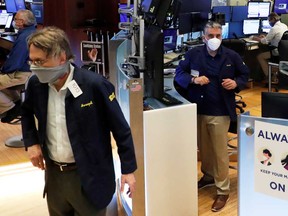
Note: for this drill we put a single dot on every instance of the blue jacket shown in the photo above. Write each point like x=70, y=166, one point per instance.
x=232, y=66
x=19, y=54
x=89, y=130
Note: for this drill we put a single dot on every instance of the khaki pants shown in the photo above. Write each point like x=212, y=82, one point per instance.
x=212, y=143
x=7, y=96
x=263, y=61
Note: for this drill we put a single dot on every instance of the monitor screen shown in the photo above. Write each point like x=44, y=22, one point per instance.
x=185, y=23
x=153, y=74
x=9, y=21
x=274, y=105
x=3, y=19
x=258, y=9
x=20, y=4
x=170, y=39
x=37, y=10
x=12, y=6
x=157, y=10
x=281, y=6
x=265, y=27
x=251, y=26
x=225, y=31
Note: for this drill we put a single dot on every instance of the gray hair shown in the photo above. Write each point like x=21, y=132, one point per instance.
x=27, y=16
x=51, y=40
x=212, y=24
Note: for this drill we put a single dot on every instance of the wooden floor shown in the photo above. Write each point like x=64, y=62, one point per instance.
x=12, y=156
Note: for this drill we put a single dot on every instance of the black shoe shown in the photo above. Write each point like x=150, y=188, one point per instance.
x=12, y=113
x=203, y=183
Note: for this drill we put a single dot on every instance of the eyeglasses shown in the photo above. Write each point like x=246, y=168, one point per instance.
x=16, y=19
x=37, y=62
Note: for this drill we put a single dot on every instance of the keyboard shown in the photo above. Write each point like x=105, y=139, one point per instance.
x=172, y=56
x=8, y=33
x=169, y=100
x=248, y=40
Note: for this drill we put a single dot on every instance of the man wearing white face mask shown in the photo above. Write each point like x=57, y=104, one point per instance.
x=211, y=74
x=15, y=70
x=76, y=111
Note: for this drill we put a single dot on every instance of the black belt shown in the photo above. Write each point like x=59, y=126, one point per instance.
x=64, y=166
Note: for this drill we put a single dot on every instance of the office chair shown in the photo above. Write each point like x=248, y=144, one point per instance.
x=274, y=62
x=238, y=46
x=283, y=58
x=16, y=141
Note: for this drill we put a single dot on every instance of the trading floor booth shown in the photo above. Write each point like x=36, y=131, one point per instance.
x=165, y=144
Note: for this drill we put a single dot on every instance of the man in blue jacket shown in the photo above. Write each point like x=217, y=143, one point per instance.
x=75, y=110
x=15, y=70
x=210, y=75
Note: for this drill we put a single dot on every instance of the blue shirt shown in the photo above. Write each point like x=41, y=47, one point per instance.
x=19, y=54
x=213, y=97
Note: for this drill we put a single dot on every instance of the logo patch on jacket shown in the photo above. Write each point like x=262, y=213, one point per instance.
x=87, y=104
x=112, y=96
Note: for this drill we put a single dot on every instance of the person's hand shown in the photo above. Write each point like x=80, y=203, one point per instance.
x=229, y=84
x=92, y=54
x=262, y=36
x=202, y=80
x=131, y=181
x=36, y=157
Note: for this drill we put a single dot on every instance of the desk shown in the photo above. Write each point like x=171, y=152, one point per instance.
x=7, y=42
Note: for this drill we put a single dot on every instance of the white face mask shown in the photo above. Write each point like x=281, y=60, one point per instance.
x=14, y=25
x=214, y=43
x=49, y=74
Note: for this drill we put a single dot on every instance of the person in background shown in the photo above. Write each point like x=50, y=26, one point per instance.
x=272, y=39
x=15, y=70
x=211, y=74
x=76, y=110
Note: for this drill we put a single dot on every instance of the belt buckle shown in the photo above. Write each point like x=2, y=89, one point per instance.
x=61, y=167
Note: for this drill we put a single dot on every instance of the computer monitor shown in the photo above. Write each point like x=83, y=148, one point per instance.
x=170, y=39
x=265, y=26
x=12, y=6
x=251, y=26
x=281, y=6
x=8, y=26
x=192, y=22
x=274, y=105
x=37, y=10
x=225, y=31
x=258, y=9
x=3, y=20
x=153, y=74
x=156, y=10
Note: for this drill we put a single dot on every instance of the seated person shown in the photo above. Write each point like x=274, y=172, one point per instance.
x=16, y=70
x=272, y=38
